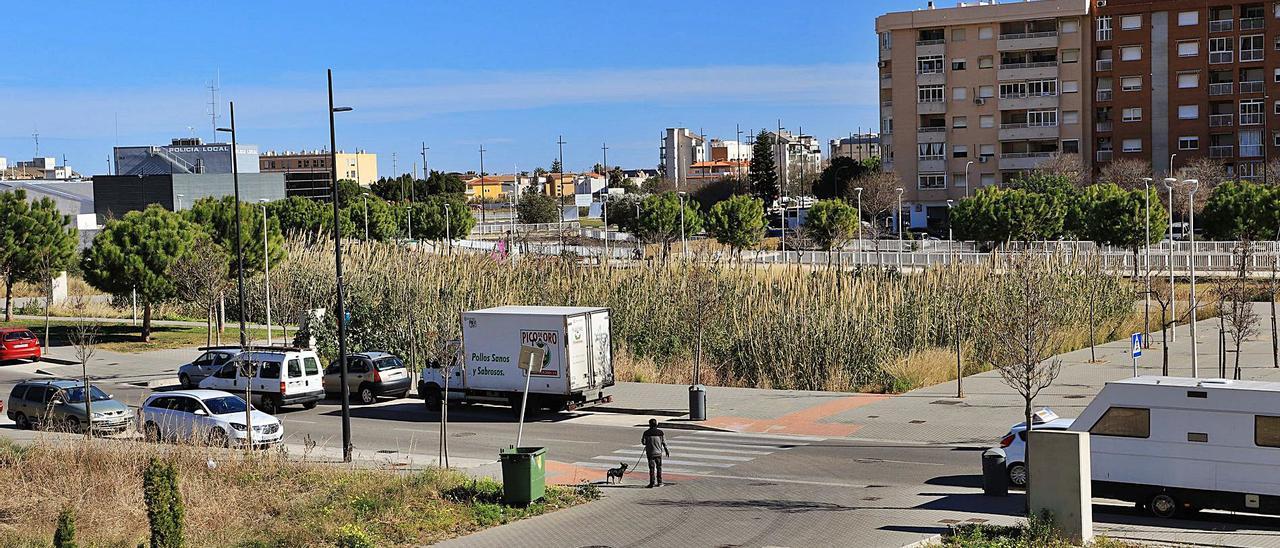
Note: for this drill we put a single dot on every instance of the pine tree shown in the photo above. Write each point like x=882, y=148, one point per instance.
x=556, y=167
x=764, y=171
x=164, y=504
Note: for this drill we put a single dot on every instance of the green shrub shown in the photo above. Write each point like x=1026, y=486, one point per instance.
x=164, y=503
x=487, y=513
x=65, y=535
x=352, y=536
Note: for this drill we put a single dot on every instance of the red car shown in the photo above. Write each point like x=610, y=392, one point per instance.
x=17, y=343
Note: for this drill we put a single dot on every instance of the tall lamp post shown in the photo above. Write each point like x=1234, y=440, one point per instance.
x=967, y=182
x=1146, y=264
x=897, y=219
x=266, y=265
x=604, y=207
x=448, y=237
x=337, y=261
x=1191, y=234
x=860, y=242
x=684, y=243
x=1169, y=183
x=950, y=234
x=365, y=197
x=244, y=343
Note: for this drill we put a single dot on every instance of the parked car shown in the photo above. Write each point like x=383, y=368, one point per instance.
x=369, y=375
x=278, y=376
x=190, y=375
x=61, y=404
x=1015, y=443
x=18, y=343
x=205, y=416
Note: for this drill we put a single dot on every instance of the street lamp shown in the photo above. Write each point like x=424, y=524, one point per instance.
x=967, y=182
x=636, y=233
x=1146, y=264
x=365, y=198
x=897, y=219
x=950, y=238
x=684, y=243
x=179, y=196
x=604, y=208
x=1169, y=182
x=266, y=264
x=861, y=244
x=337, y=261
x=447, y=236
x=235, y=182
x=1191, y=234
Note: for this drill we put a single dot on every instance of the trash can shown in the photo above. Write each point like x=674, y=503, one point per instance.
x=697, y=403
x=995, y=477
x=524, y=474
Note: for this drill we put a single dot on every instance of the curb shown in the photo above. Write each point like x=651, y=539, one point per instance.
x=58, y=361
x=690, y=426
x=930, y=541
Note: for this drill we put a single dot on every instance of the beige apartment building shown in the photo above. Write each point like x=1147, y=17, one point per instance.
x=307, y=172
x=974, y=94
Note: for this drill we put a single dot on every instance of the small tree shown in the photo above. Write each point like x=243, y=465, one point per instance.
x=661, y=220
x=65, y=535
x=556, y=167
x=737, y=222
x=1237, y=304
x=879, y=198
x=1126, y=173
x=201, y=276
x=837, y=178
x=537, y=208
x=164, y=503
x=1160, y=293
x=831, y=224
x=84, y=339
x=1069, y=167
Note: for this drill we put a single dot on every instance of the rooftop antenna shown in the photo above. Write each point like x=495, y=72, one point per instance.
x=213, y=103
x=36, y=135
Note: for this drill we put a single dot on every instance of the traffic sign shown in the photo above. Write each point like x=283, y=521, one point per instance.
x=531, y=358
x=1136, y=341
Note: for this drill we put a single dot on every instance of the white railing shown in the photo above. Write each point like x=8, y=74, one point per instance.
x=1020, y=36
x=931, y=130
x=502, y=228
x=1220, y=57
x=1255, y=86
x=1104, y=95
x=1221, y=88
x=1220, y=120
x=1102, y=64
x=1029, y=124
x=1102, y=126
x=1014, y=155
x=1221, y=25
x=1104, y=155
x=1247, y=55
x=930, y=42
x=1251, y=119
x=1042, y=64
x=1251, y=23
x=1221, y=151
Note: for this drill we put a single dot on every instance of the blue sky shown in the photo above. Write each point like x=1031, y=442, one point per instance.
x=510, y=74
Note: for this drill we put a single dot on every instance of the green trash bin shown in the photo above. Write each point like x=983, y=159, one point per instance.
x=524, y=474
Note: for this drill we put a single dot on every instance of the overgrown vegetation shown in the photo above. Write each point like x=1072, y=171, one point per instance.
x=256, y=500
x=1036, y=532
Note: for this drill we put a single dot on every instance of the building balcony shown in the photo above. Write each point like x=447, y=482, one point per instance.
x=925, y=48
x=886, y=83
x=1252, y=87
x=1251, y=119
x=935, y=107
x=1029, y=40
x=1027, y=71
x=1250, y=55
x=1223, y=25
x=931, y=165
x=931, y=135
x=1103, y=35
x=1103, y=95
x=1220, y=57
x=1026, y=132
x=1102, y=127
x=931, y=79
x=1029, y=102
x=1252, y=23
x=1103, y=156
x=1222, y=88
x=1024, y=160
x=1221, y=151
x=1102, y=65
x=1221, y=120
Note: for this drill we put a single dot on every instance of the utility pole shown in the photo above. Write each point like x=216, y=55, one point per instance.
x=341, y=315
x=556, y=190
x=482, y=213
x=604, y=207
x=425, y=172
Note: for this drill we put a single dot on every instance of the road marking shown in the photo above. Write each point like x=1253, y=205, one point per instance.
x=675, y=461
x=299, y=421
x=872, y=460
x=684, y=446
x=759, y=436
x=640, y=469
x=567, y=441
x=729, y=443
x=715, y=457
x=703, y=474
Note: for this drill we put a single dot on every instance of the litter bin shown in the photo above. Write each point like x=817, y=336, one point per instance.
x=524, y=474
x=697, y=403
x=995, y=477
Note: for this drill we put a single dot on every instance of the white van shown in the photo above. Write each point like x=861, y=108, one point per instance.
x=279, y=376
x=1175, y=445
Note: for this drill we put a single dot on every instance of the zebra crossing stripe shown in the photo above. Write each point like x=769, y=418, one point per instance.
x=731, y=443
x=713, y=457
x=666, y=461
x=641, y=469
x=761, y=437
x=686, y=446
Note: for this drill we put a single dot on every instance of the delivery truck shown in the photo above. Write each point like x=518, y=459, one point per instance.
x=572, y=346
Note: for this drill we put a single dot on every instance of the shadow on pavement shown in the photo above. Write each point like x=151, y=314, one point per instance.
x=976, y=502
x=773, y=505
x=911, y=529
x=412, y=410
x=967, y=480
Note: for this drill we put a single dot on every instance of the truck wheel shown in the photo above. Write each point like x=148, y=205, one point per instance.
x=431, y=397
x=1163, y=505
x=269, y=405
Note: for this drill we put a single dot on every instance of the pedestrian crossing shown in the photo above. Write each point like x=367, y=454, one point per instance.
x=699, y=452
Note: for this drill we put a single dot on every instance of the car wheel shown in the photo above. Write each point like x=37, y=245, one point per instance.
x=218, y=438
x=1163, y=505
x=72, y=425
x=310, y=405
x=366, y=395
x=269, y=405
x=1018, y=474
x=22, y=422
x=151, y=432
x=185, y=381
x=431, y=397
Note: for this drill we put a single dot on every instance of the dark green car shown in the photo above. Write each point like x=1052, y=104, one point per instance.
x=60, y=405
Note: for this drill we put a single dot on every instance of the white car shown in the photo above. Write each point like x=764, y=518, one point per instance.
x=205, y=416
x=1014, y=443
x=278, y=376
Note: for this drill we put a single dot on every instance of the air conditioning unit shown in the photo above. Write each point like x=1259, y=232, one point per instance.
x=882, y=64
x=979, y=101
x=1101, y=3
x=984, y=159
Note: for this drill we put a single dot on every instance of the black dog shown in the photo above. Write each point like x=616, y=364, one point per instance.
x=616, y=473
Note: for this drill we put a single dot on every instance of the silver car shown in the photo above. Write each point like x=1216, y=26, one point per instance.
x=190, y=375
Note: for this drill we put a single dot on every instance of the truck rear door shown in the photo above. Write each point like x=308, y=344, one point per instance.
x=578, y=353
x=601, y=353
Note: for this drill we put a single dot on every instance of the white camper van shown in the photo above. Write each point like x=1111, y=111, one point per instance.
x=1175, y=445
x=577, y=360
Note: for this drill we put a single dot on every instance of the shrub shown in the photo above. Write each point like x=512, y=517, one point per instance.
x=65, y=535
x=164, y=503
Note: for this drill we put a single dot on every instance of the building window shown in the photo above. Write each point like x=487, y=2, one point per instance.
x=1132, y=145
x=1125, y=422
x=1070, y=86
x=1071, y=117
x=1188, y=48
x=1071, y=146
x=1188, y=80
x=1131, y=83
x=1130, y=22
x=986, y=121
x=986, y=62
x=1251, y=144
x=929, y=64
x=1131, y=53
x=987, y=150
x=985, y=33
x=1188, y=18
x=1275, y=138
x=987, y=179
x=1042, y=118
x=931, y=151
x=959, y=94
x=957, y=64
x=1188, y=112
x=957, y=35
x=1070, y=56
x=1220, y=50
x=1070, y=25
x=1189, y=143
x=886, y=40
x=960, y=122
x=1277, y=76
x=960, y=151
x=1277, y=108
x=1104, y=28
x=931, y=181
x=1251, y=112
x=1132, y=114
x=930, y=94
x=959, y=179
x=1251, y=48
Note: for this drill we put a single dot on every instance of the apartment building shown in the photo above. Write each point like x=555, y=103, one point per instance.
x=861, y=146
x=1180, y=79
x=681, y=148
x=975, y=94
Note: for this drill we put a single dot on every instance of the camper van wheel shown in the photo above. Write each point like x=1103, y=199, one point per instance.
x=1163, y=505
x=269, y=405
x=432, y=398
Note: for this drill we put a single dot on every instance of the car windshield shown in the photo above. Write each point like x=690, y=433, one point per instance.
x=76, y=395
x=388, y=363
x=18, y=336
x=224, y=405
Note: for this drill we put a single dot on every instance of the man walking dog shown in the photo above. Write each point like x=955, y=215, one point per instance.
x=654, y=447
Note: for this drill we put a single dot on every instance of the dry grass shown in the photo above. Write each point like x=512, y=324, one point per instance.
x=75, y=286
x=258, y=500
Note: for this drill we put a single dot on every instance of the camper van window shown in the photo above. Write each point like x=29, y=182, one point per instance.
x=1125, y=422
x=313, y=367
x=295, y=369
x=268, y=370
x=1266, y=431
x=1198, y=437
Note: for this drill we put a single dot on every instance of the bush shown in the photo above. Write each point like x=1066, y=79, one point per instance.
x=65, y=535
x=164, y=503
x=352, y=536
